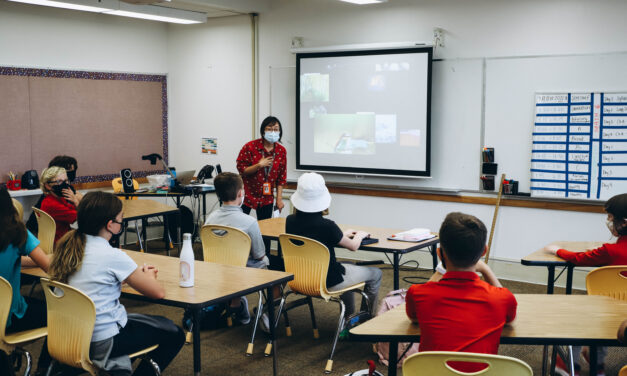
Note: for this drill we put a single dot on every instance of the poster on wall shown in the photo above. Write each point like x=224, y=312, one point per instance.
x=579, y=147
x=210, y=146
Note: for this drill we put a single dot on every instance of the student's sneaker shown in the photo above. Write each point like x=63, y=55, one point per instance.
x=243, y=315
x=562, y=369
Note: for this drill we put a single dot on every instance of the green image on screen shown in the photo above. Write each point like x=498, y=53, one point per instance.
x=314, y=87
x=344, y=134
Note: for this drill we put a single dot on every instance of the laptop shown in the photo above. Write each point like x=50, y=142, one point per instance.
x=184, y=177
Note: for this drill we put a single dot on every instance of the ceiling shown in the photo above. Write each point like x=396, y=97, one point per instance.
x=219, y=8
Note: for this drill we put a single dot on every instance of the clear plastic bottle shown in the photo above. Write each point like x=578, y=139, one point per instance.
x=187, y=262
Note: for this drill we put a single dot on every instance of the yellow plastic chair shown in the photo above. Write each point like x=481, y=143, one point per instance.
x=308, y=260
x=11, y=343
x=19, y=208
x=435, y=363
x=71, y=318
x=608, y=281
x=47, y=230
x=623, y=371
x=228, y=246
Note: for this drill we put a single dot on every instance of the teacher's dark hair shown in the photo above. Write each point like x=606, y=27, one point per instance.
x=64, y=161
x=617, y=207
x=271, y=120
x=13, y=230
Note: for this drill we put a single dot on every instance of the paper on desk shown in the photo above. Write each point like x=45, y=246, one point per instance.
x=413, y=235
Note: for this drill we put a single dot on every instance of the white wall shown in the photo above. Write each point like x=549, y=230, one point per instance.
x=43, y=37
x=473, y=29
x=210, y=91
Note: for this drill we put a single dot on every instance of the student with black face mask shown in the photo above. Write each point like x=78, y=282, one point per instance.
x=70, y=165
x=60, y=200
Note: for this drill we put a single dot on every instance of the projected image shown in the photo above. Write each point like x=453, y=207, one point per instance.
x=410, y=137
x=314, y=87
x=385, y=129
x=376, y=83
x=317, y=110
x=344, y=134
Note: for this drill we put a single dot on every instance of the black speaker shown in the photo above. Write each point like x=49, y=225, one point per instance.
x=30, y=180
x=218, y=169
x=127, y=180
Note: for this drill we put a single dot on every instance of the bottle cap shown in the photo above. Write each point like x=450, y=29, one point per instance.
x=187, y=236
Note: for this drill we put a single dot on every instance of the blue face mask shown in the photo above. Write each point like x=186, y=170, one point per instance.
x=272, y=136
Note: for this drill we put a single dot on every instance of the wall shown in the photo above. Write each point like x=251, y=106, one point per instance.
x=43, y=37
x=473, y=30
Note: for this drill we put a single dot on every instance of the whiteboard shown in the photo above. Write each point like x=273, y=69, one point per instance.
x=511, y=87
x=456, y=134
x=473, y=107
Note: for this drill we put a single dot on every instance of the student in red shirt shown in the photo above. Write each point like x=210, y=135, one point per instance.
x=607, y=254
x=60, y=199
x=460, y=312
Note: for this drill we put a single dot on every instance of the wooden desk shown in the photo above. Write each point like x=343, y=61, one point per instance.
x=144, y=209
x=541, y=319
x=215, y=283
x=194, y=191
x=544, y=258
x=273, y=227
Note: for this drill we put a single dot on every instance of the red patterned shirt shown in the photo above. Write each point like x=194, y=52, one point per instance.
x=252, y=153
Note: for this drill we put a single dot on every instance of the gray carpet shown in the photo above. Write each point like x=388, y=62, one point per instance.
x=223, y=350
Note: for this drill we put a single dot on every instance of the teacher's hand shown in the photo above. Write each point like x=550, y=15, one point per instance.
x=279, y=203
x=265, y=162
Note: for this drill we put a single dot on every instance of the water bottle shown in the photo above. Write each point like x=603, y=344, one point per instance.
x=187, y=262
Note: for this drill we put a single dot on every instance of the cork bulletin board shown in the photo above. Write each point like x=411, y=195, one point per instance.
x=107, y=121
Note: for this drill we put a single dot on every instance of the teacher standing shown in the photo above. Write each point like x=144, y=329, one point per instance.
x=263, y=164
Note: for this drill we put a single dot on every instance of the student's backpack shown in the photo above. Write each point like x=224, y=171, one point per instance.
x=405, y=349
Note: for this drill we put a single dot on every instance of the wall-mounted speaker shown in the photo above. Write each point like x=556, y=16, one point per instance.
x=127, y=180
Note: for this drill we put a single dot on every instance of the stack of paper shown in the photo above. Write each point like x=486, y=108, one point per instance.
x=413, y=235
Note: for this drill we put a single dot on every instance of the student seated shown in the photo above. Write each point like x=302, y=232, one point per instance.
x=18, y=247
x=60, y=201
x=310, y=200
x=70, y=165
x=460, y=312
x=230, y=190
x=607, y=254
x=84, y=259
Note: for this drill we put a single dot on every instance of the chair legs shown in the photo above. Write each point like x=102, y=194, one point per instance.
x=316, y=335
x=14, y=361
x=249, y=349
x=153, y=364
x=340, y=327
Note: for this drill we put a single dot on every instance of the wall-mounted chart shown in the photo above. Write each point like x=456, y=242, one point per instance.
x=579, y=147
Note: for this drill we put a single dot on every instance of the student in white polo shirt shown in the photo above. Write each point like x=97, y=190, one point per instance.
x=84, y=259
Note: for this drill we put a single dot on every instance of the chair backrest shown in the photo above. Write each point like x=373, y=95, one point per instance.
x=19, y=208
x=225, y=245
x=71, y=318
x=117, y=186
x=436, y=363
x=6, y=296
x=308, y=260
x=608, y=281
x=47, y=229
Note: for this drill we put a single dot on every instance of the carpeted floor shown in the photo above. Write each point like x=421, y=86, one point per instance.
x=223, y=350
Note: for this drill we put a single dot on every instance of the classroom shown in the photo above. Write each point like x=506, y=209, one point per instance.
x=225, y=75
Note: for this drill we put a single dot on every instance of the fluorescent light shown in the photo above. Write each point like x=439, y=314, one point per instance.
x=364, y=2
x=86, y=6
x=157, y=13
x=115, y=7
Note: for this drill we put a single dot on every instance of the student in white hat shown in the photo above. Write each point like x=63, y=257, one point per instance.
x=311, y=199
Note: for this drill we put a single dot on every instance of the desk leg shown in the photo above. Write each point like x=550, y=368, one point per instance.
x=392, y=358
x=178, y=201
x=270, y=303
x=569, y=279
x=545, y=357
x=204, y=207
x=551, y=281
x=593, y=361
x=196, y=344
x=434, y=255
x=396, y=267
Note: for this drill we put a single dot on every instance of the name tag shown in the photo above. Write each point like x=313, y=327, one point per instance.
x=267, y=189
